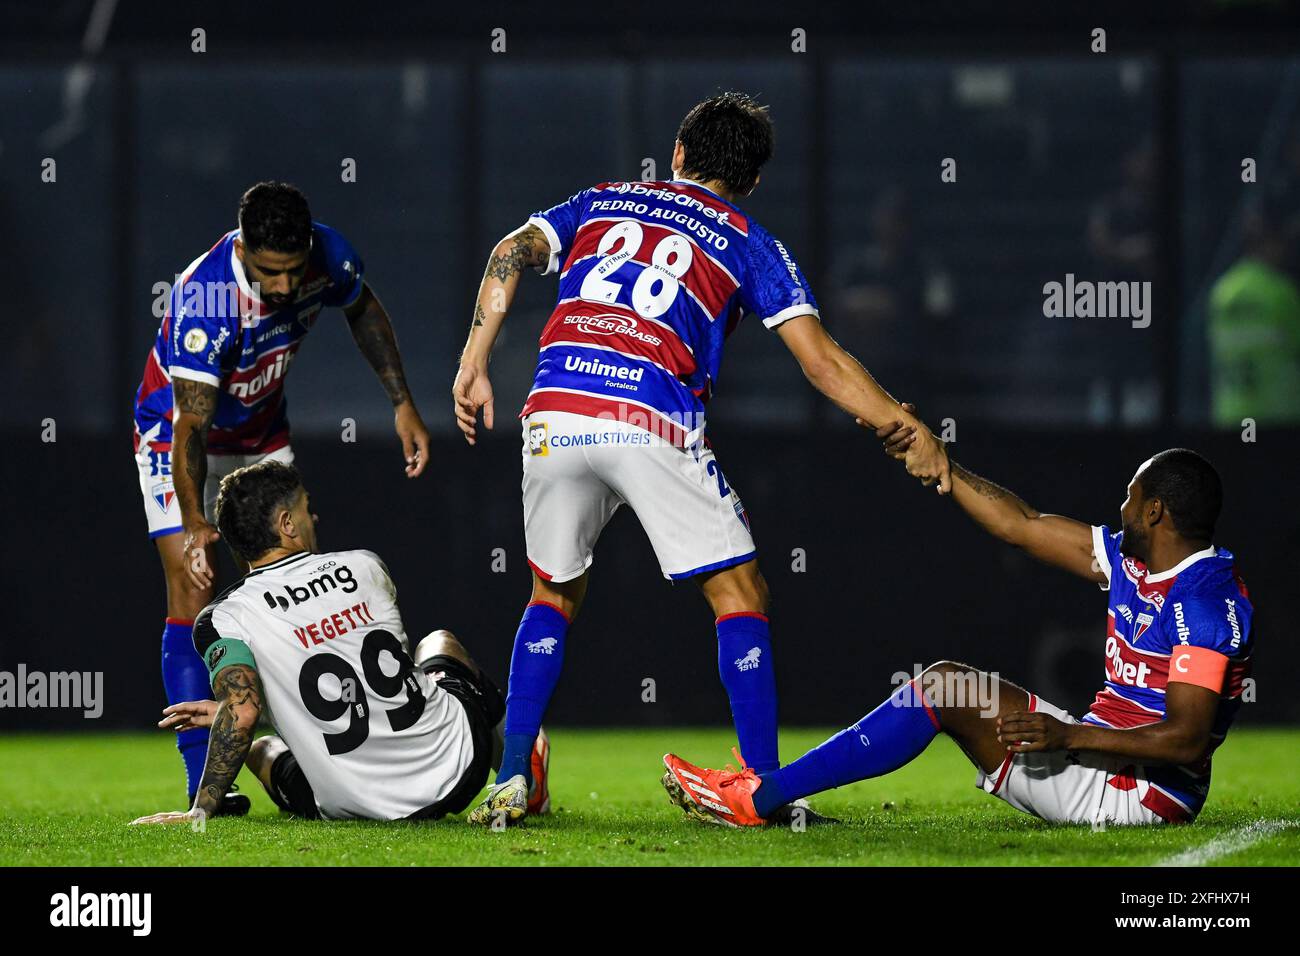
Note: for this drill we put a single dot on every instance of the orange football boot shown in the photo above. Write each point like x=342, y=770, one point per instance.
x=724, y=797
x=539, y=794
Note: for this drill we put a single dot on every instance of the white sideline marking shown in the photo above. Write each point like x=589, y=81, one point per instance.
x=1233, y=842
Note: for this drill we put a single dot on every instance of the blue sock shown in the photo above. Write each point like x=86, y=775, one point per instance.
x=893, y=734
x=745, y=665
x=185, y=677
x=534, y=672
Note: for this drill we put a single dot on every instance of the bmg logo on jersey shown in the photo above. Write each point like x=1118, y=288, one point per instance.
x=341, y=579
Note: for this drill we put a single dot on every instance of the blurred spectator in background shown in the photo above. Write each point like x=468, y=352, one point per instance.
x=1122, y=240
x=892, y=301
x=1254, y=326
x=1121, y=225
x=1065, y=368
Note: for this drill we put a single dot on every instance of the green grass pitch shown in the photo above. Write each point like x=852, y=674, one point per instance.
x=66, y=800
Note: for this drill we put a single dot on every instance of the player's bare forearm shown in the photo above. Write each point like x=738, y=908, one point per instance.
x=372, y=330
x=1182, y=737
x=195, y=406
x=1161, y=742
x=231, y=734
x=841, y=378
x=526, y=247
x=850, y=386
x=838, y=375
x=994, y=508
x=1053, y=539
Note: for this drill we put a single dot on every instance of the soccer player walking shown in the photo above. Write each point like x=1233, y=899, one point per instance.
x=212, y=398
x=653, y=278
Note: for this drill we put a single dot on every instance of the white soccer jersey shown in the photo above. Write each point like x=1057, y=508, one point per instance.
x=374, y=735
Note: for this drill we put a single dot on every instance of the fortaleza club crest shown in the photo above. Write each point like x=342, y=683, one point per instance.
x=163, y=492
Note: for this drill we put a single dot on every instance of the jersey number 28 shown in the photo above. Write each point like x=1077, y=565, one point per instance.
x=656, y=287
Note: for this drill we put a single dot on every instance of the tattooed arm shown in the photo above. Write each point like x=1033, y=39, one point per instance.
x=373, y=332
x=1052, y=539
x=526, y=247
x=239, y=705
x=195, y=405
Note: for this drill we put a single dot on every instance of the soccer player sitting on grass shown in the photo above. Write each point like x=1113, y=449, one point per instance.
x=1178, y=647
x=317, y=639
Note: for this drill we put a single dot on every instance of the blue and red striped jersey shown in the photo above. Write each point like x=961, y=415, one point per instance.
x=653, y=278
x=1151, y=620
x=216, y=330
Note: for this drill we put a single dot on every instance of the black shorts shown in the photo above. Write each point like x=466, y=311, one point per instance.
x=484, y=706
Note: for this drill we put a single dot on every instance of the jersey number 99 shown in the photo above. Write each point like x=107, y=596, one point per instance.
x=381, y=684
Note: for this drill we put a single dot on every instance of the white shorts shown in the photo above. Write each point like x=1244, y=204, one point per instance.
x=162, y=510
x=578, y=470
x=1076, y=787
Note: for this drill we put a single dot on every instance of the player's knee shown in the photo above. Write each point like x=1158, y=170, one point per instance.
x=760, y=592
x=436, y=643
x=951, y=687
x=565, y=595
x=263, y=753
x=945, y=668
x=738, y=589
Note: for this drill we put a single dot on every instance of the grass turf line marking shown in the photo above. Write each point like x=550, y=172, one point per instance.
x=1233, y=842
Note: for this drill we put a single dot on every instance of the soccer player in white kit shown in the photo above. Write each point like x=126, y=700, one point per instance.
x=316, y=641
x=212, y=398
x=653, y=278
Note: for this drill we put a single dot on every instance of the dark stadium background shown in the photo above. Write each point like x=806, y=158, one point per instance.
x=455, y=146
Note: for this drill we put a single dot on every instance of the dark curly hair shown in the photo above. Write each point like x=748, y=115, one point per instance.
x=275, y=217
x=1190, y=489
x=248, y=502
x=728, y=138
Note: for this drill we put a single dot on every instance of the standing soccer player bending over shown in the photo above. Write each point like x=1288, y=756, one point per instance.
x=653, y=278
x=1178, y=648
x=212, y=398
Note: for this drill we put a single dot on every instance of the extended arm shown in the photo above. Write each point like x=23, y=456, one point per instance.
x=238, y=706
x=526, y=247
x=1052, y=539
x=841, y=378
x=372, y=330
